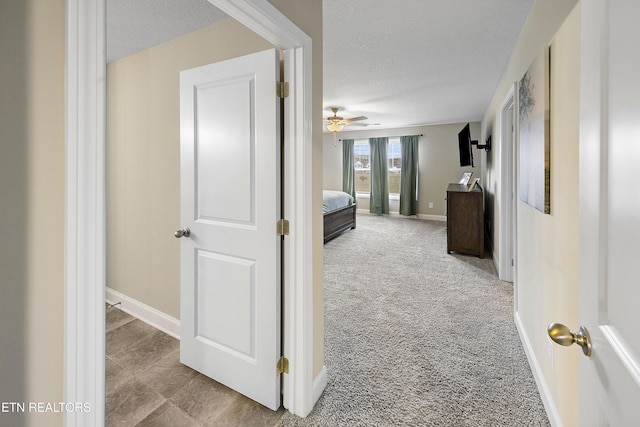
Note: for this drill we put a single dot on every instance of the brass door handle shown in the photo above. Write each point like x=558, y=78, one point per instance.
x=184, y=232
x=561, y=334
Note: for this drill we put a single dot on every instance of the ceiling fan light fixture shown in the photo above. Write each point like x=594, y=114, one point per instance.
x=335, y=127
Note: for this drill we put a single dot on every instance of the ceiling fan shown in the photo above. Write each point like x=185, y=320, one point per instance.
x=336, y=123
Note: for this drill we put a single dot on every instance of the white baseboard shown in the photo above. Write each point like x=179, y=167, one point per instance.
x=159, y=320
x=419, y=216
x=493, y=253
x=433, y=217
x=319, y=384
x=543, y=389
x=171, y=326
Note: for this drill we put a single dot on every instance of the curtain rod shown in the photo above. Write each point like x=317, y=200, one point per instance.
x=384, y=137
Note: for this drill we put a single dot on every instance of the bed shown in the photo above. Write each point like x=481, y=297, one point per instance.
x=339, y=211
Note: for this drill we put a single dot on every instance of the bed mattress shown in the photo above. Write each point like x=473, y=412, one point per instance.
x=333, y=200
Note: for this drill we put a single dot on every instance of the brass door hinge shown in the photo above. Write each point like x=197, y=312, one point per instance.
x=282, y=227
x=282, y=367
x=282, y=89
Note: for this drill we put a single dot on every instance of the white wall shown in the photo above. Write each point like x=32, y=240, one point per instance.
x=547, y=245
x=438, y=163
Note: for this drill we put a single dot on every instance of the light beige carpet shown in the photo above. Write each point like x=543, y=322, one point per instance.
x=416, y=337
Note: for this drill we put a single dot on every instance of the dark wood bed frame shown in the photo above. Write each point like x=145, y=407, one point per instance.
x=338, y=221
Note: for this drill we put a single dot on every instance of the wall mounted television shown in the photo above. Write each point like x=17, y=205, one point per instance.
x=464, y=147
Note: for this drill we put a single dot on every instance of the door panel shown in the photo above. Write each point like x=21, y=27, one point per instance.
x=224, y=113
x=226, y=290
x=230, y=201
x=610, y=211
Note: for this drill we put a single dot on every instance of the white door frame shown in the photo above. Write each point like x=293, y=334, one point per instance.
x=506, y=267
x=84, y=362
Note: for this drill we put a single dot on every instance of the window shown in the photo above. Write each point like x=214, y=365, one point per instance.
x=362, y=163
x=395, y=163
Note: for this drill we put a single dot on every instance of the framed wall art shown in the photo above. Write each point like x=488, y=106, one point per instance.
x=535, y=166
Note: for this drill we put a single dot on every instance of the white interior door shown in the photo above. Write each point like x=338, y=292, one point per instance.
x=610, y=211
x=230, y=202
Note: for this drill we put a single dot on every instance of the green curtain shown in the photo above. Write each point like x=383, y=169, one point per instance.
x=409, y=175
x=348, y=168
x=379, y=201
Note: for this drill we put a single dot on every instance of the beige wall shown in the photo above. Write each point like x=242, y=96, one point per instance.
x=143, y=151
x=547, y=246
x=545, y=18
x=32, y=168
x=143, y=159
x=438, y=164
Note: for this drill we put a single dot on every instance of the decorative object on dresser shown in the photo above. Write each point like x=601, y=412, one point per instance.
x=466, y=176
x=465, y=219
x=339, y=210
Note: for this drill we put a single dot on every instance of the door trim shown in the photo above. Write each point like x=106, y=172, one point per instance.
x=85, y=246
x=507, y=186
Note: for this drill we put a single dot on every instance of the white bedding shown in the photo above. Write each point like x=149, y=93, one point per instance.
x=333, y=200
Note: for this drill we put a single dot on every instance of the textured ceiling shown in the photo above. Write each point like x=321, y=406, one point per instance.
x=414, y=62
x=398, y=62
x=135, y=25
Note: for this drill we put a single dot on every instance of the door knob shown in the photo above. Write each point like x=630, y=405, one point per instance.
x=561, y=334
x=185, y=232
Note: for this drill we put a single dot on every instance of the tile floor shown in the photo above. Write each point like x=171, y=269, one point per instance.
x=147, y=385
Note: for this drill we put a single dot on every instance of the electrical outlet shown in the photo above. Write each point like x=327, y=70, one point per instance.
x=430, y=205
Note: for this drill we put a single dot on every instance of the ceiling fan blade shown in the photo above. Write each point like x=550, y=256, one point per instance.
x=358, y=124
x=355, y=119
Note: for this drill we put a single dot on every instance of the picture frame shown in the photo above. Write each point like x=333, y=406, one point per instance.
x=534, y=113
x=466, y=176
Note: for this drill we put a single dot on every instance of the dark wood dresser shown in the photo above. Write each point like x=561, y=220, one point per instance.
x=465, y=220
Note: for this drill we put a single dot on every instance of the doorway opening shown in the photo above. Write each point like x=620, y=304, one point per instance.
x=508, y=127
x=85, y=231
